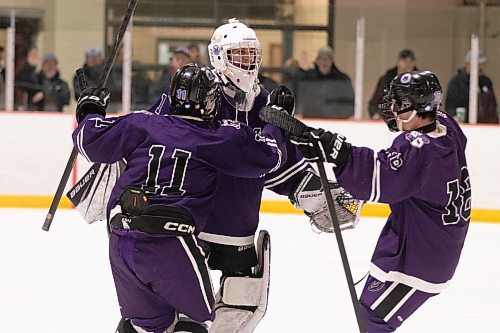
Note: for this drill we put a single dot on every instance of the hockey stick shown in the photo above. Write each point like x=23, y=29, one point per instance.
x=295, y=127
x=102, y=81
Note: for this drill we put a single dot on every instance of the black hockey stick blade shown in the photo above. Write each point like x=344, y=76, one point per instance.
x=283, y=120
x=110, y=58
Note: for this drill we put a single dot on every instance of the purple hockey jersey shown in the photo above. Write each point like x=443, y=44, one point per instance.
x=178, y=161
x=425, y=181
x=234, y=216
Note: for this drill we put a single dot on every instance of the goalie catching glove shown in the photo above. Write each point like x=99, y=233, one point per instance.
x=310, y=197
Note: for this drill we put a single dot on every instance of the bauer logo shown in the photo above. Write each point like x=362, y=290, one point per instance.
x=376, y=285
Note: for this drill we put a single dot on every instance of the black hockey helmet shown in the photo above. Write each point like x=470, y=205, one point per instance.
x=412, y=91
x=194, y=91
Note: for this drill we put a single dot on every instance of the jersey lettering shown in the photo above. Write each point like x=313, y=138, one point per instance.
x=459, y=199
x=178, y=174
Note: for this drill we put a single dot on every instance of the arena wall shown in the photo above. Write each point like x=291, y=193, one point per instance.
x=35, y=148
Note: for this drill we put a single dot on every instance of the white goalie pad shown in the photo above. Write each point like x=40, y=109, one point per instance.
x=242, y=301
x=310, y=197
x=91, y=193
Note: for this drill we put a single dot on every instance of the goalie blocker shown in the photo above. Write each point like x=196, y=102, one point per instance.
x=310, y=197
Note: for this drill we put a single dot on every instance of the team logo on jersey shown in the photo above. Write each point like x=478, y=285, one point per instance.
x=376, y=285
x=230, y=123
x=395, y=160
x=417, y=139
x=405, y=78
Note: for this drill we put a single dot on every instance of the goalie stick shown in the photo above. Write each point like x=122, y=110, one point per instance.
x=292, y=125
x=102, y=81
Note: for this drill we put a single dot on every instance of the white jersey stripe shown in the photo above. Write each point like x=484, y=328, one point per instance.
x=287, y=175
x=226, y=240
x=374, y=177
x=400, y=304
x=383, y=296
x=79, y=143
x=197, y=271
x=287, y=171
x=377, y=182
x=412, y=281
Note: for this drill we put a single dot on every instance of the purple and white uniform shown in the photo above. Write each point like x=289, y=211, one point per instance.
x=178, y=162
x=424, y=179
x=234, y=217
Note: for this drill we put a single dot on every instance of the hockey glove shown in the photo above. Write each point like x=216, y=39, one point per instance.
x=92, y=101
x=282, y=97
x=319, y=145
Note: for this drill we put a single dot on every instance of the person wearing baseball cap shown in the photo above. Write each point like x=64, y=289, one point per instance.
x=406, y=62
x=457, y=96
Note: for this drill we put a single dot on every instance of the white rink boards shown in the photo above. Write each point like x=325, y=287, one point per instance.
x=60, y=281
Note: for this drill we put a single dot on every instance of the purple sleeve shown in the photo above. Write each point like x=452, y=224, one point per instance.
x=108, y=140
x=284, y=180
x=240, y=152
x=387, y=176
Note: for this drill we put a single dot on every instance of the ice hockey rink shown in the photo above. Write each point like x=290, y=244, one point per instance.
x=60, y=281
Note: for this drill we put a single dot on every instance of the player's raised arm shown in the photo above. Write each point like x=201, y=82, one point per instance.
x=95, y=131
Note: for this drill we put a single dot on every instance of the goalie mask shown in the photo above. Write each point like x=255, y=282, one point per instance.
x=416, y=92
x=235, y=53
x=194, y=91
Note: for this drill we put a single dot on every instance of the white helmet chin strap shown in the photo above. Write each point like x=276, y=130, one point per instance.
x=401, y=122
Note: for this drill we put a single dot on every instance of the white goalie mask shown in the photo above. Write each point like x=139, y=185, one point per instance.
x=235, y=53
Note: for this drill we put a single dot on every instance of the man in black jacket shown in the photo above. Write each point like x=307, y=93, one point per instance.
x=457, y=98
x=54, y=91
x=322, y=90
x=405, y=63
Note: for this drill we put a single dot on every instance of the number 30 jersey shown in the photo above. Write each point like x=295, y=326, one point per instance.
x=178, y=161
x=424, y=179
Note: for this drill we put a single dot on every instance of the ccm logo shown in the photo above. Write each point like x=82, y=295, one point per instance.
x=337, y=145
x=174, y=226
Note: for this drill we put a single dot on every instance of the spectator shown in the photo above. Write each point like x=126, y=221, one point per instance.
x=180, y=58
x=194, y=54
x=405, y=63
x=141, y=85
x=457, y=97
x=55, y=91
x=28, y=91
x=323, y=91
x=92, y=68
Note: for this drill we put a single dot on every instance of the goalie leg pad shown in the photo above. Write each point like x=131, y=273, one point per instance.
x=242, y=300
x=310, y=197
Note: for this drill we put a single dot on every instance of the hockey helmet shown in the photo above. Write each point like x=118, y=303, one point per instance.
x=235, y=52
x=419, y=92
x=194, y=91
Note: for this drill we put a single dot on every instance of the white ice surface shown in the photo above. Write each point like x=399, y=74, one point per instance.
x=60, y=281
